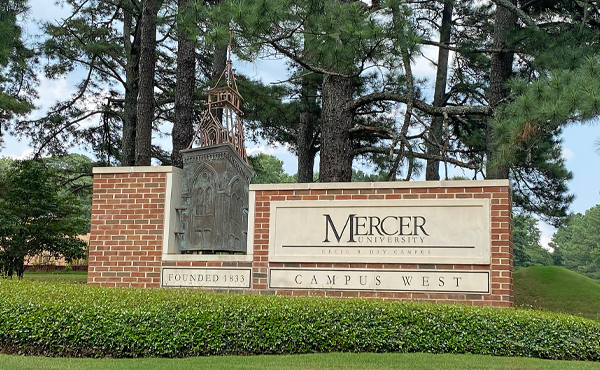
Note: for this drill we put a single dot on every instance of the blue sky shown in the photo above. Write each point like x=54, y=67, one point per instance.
x=579, y=148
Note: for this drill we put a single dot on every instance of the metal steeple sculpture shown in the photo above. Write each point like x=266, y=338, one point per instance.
x=213, y=214
x=222, y=121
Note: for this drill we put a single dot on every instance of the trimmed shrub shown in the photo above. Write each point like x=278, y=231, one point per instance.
x=77, y=320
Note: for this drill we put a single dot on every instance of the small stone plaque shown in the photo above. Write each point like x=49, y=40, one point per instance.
x=206, y=277
x=384, y=280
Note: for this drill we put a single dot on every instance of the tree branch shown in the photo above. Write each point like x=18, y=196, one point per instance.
x=381, y=150
x=520, y=13
x=457, y=49
x=421, y=105
x=303, y=63
x=61, y=129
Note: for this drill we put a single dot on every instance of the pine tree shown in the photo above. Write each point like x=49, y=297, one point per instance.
x=17, y=79
x=578, y=243
x=528, y=152
x=145, y=106
x=339, y=40
x=183, y=132
x=526, y=243
x=103, y=39
x=435, y=137
x=131, y=85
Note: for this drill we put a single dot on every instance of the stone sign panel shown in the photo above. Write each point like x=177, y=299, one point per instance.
x=206, y=277
x=381, y=280
x=391, y=231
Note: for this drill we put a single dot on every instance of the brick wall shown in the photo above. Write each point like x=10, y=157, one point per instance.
x=134, y=223
x=126, y=240
x=500, y=268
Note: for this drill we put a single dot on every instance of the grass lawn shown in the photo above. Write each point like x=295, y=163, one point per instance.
x=332, y=361
x=75, y=277
x=557, y=289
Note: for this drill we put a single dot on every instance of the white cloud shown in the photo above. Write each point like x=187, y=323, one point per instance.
x=266, y=70
x=267, y=149
x=25, y=154
x=422, y=67
x=50, y=91
x=567, y=154
x=547, y=232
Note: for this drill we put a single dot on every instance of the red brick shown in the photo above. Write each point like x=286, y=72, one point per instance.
x=436, y=190
x=492, y=190
x=326, y=197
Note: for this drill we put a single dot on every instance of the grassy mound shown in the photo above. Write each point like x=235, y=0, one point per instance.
x=79, y=320
x=557, y=289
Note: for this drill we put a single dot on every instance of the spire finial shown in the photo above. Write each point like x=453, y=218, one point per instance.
x=222, y=119
x=229, y=64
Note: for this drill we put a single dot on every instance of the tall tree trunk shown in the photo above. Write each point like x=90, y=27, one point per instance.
x=435, y=135
x=20, y=268
x=500, y=71
x=219, y=62
x=336, y=120
x=145, y=106
x=309, y=112
x=306, y=131
x=132, y=55
x=184, y=93
x=218, y=66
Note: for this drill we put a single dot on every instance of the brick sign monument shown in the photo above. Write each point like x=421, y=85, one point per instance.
x=445, y=241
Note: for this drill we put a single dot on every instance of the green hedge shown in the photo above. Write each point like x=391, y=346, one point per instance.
x=77, y=320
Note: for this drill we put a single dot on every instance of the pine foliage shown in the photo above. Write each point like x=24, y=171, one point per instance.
x=17, y=79
x=526, y=243
x=577, y=244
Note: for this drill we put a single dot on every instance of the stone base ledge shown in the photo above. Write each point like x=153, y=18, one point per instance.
x=208, y=257
x=382, y=185
x=137, y=169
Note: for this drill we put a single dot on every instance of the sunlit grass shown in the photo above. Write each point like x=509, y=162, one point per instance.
x=77, y=277
x=557, y=289
x=331, y=361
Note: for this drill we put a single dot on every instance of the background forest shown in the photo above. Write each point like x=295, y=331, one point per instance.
x=508, y=77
